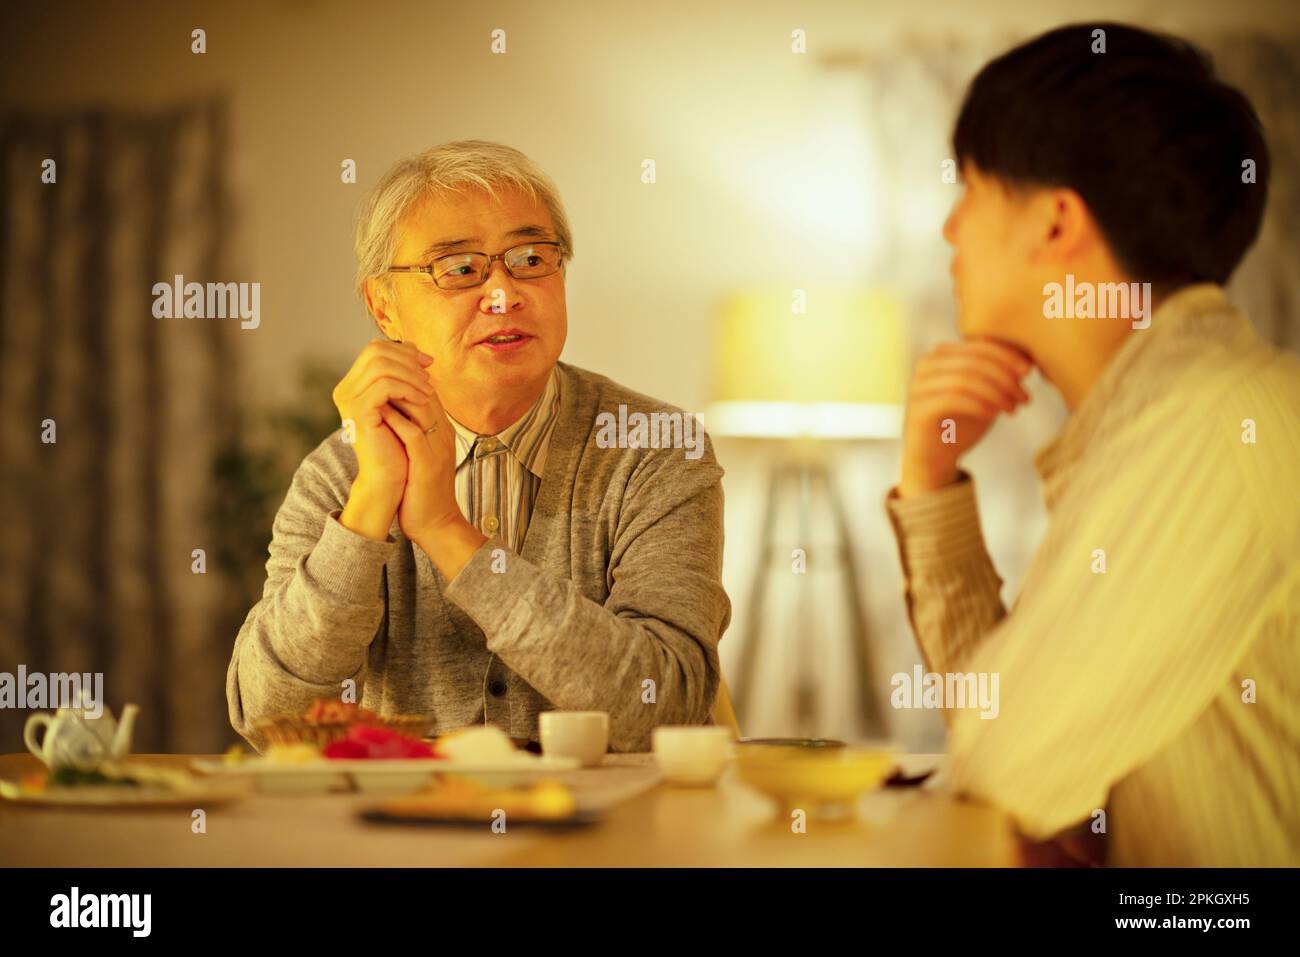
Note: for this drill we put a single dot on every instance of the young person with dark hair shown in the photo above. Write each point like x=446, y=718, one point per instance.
x=1149, y=671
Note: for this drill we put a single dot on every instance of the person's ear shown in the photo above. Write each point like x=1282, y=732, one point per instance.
x=383, y=306
x=1063, y=225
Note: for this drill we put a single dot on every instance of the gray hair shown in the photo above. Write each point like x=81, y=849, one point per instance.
x=447, y=168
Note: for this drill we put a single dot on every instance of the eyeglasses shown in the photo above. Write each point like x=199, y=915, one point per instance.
x=467, y=270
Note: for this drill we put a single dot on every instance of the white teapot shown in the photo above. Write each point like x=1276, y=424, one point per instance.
x=74, y=740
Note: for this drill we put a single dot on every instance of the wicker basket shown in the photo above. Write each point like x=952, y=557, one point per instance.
x=291, y=729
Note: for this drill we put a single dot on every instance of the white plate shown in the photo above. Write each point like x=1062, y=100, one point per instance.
x=392, y=776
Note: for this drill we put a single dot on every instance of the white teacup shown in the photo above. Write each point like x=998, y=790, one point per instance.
x=575, y=734
x=692, y=755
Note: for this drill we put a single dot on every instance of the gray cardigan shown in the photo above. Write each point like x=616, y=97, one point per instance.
x=616, y=603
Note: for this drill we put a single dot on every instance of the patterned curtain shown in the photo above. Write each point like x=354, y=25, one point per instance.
x=98, y=571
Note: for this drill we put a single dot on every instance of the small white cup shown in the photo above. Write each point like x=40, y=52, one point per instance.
x=575, y=734
x=692, y=755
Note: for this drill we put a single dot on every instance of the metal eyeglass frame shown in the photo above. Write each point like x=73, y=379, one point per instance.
x=487, y=271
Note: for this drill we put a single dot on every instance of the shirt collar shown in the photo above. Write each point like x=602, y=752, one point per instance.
x=528, y=438
x=1112, y=393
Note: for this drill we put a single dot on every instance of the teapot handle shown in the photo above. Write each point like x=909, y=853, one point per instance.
x=29, y=732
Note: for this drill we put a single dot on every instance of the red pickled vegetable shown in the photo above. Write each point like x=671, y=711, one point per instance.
x=366, y=742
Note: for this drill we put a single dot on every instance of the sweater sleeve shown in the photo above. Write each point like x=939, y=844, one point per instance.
x=953, y=591
x=321, y=607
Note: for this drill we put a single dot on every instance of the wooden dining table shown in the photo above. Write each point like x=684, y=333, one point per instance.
x=646, y=823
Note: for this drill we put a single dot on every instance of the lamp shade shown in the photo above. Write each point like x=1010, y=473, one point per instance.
x=828, y=363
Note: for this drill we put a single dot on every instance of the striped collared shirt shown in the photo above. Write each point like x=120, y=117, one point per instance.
x=1149, y=670
x=498, y=476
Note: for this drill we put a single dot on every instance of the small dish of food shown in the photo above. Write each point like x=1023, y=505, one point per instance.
x=125, y=784
x=329, y=720
x=461, y=801
x=375, y=759
x=822, y=781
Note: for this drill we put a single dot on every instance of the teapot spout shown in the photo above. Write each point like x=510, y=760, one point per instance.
x=125, y=728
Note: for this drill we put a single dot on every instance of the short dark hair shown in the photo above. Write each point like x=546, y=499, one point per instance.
x=1146, y=133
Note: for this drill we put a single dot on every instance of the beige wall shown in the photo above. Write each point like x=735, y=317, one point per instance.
x=588, y=89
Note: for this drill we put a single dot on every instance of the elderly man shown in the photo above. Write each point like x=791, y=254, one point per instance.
x=476, y=542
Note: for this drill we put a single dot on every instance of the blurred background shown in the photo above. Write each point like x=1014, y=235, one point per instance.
x=804, y=190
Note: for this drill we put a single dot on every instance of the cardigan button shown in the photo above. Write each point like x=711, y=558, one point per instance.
x=497, y=687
